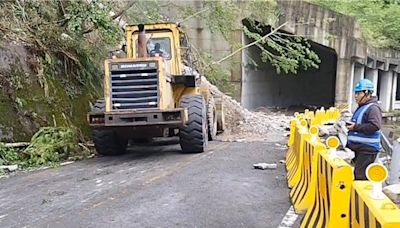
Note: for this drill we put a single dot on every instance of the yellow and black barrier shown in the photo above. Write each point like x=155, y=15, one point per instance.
x=292, y=129
x=290, y=155
x=318, y=118
x=303, y=192
x=295, y=156
x=368, y=212
x=331, y=204
x=322, y=183
x=369, y=206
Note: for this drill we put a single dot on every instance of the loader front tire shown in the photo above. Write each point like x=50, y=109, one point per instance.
x=193, y=137
x=106, y=141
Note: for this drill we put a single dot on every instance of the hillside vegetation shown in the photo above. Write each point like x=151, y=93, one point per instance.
x=379, y=19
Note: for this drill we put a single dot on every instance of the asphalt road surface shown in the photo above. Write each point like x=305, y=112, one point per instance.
x=153, y=186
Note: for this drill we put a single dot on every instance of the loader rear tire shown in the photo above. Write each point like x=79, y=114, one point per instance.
x=212, y=119
x=106, y=141
x=219, y=105
x=193, y=137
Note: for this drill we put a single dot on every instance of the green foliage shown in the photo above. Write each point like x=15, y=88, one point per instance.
x=146, y=12
x=215, y=74
x=8, y=156
x=264, y=11
x=78, y=14
x=379, y=19
x=221, y=17
x=287, y=53
x=67, y=42
x=50, y=145
x=70, y=37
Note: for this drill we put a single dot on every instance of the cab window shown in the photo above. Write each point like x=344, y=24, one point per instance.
x=158, y=46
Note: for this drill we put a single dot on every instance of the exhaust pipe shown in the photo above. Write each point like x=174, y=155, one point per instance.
x=142, y=42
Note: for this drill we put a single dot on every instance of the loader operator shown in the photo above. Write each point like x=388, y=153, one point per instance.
x=156, y=51
x=364, y=129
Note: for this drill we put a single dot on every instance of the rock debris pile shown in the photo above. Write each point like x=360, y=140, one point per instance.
x=244, y=125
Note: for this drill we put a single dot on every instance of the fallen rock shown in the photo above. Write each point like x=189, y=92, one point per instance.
x=265, y=166
x=240, y=140
x=241, y=123
x=9, y=168
x=66, y=163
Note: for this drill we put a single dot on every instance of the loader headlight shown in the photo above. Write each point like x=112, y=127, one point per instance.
x=97, y=120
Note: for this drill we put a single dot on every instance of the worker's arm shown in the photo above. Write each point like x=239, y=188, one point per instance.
x=374, y=121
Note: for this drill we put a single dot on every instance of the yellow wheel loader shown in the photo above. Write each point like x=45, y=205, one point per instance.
x=150, y=93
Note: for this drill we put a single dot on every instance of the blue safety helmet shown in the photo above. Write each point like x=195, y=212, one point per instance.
x=364, y=85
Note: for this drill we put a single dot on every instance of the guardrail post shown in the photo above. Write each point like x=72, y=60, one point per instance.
x=395, y=163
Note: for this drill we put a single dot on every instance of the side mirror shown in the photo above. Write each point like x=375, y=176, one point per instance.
x=123, y=48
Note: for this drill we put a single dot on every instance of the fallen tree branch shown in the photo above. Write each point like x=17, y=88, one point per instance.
x=61, y=7
x=193, y=15
x=263, y=49
x=249, y=45
x=69, y=56
x=17, y=145
x=128, y=6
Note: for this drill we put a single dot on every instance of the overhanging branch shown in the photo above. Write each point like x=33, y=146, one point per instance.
x=250, y=44
x=120, y=13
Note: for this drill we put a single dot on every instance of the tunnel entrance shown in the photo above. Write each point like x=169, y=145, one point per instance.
x=262, y=86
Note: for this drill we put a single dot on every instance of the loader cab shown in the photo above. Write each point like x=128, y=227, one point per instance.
x=159, y=47
x=164, y=36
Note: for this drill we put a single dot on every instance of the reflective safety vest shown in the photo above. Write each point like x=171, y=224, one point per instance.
x=373, y=140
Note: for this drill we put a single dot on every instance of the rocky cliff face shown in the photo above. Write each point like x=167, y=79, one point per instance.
x=36, y=92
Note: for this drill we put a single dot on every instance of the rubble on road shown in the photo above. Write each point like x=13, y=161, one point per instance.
x=9, y=168
x=246, y=125
x=265, y=166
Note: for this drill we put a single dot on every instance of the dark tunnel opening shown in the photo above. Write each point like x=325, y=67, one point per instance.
x=262, y=86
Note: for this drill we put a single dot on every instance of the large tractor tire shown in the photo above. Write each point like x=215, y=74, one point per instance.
x=220, y=113
x=211, y=119
x=193, y=137
x=106, y=141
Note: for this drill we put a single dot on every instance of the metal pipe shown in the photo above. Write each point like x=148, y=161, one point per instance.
x=142, y=42
x=386, y=144
x=394, y=172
